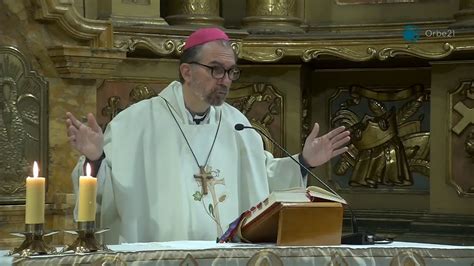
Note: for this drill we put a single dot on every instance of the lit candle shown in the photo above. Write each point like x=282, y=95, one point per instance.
x=35, y=194
x=87, y=197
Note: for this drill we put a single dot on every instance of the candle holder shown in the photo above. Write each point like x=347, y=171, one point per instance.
x=34, y=243
x=86, y=241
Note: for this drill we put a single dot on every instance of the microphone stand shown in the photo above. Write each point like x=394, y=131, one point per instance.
x=356, y=238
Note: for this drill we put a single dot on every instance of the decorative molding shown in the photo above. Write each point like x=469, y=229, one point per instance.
x=390, y=52
x=158, y=46
x=383, y=53
x=161, y=46
x=263, y=55
x=62, y=12
x=84, y=62
x=340, y=52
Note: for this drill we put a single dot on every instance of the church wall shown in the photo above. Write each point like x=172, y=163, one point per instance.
x=96, y=61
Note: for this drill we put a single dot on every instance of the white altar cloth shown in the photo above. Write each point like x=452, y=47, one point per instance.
x=210, y=253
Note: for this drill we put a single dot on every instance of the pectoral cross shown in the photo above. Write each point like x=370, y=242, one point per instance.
x=203, y=177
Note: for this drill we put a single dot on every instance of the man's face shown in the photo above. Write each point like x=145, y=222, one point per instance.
x=209, y=89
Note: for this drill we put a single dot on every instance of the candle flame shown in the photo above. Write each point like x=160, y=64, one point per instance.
x=35, y=169
x=88, y=169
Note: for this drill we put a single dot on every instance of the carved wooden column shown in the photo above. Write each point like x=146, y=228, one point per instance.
x=465, y=16
x=191, y=12
x=272, y=16
x=131, y=12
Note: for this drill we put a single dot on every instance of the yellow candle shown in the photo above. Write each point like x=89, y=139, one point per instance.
x=35, y=194
x=87, y=197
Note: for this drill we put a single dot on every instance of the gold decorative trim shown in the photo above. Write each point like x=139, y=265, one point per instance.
x=62, y=12
x=341, y=52
x=390, y=52
x=161, y=47
x=264, y=56
x=382, y=53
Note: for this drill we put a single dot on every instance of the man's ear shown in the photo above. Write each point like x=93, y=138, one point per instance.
x=185, y=70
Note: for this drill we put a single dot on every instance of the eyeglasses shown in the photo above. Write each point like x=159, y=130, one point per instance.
x=218, y=72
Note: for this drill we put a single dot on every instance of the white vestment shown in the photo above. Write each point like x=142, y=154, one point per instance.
x=147, y=190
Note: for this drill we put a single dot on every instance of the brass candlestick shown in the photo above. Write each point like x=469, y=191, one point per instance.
x=34, y=243
x=86, y=241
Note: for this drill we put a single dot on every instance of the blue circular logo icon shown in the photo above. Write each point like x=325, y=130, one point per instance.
x=410, y=33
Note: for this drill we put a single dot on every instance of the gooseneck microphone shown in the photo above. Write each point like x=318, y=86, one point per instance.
x=240, y=127
x=356, y=238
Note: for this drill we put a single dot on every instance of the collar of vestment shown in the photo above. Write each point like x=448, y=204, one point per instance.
x=174, y=95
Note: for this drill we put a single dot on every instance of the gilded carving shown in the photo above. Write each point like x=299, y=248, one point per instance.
x=381, y=54
x=271, y=8
x=113, y=107
x=192, y=12
x=141, y=92
x=23, y=122
x=263, y=55
x=263, y=106
x=340, y=52
x=161, y=47
x=194, y=7
x=389, y=52
x=138, y=93
x=386, y=147
x=271, y=16
x=461, y=123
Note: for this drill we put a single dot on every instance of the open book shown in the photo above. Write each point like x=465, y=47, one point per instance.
x=293, y=195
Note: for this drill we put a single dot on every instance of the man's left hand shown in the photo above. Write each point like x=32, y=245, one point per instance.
x=319, y=150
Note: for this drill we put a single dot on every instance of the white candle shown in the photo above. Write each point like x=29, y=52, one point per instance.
x=35, y=195
x=87, y=197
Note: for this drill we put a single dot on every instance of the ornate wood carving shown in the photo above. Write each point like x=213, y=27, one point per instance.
x=262, y=104
x=461, y=139
x=192, y=12
x=388, y=145
x=23, y=123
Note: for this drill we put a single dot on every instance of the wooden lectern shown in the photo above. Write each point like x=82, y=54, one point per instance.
x=297, y=224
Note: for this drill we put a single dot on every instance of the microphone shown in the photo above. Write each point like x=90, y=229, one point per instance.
x=356, y=238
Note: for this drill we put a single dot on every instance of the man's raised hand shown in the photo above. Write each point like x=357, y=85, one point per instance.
x=88, y=138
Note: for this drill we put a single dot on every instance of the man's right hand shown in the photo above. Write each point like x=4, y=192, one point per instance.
x=87, y=139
